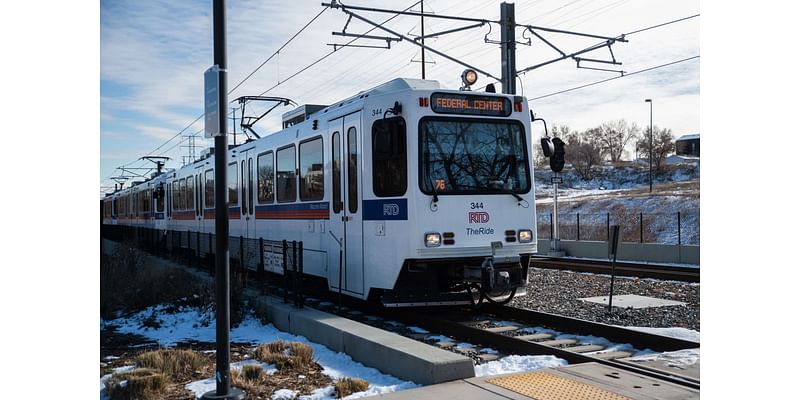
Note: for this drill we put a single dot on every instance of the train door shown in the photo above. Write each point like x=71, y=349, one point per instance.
x=346, y=218
x=248, y=194
x=198, y=198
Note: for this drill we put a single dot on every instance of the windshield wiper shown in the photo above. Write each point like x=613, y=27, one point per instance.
x=435, y=193
x=516, y=196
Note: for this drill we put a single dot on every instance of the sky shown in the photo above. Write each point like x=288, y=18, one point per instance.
x=153, y=55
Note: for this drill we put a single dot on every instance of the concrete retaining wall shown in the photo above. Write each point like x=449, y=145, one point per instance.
x=647, y=252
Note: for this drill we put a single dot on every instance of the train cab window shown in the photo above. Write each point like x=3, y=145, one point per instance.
x=389, y=159
x=286, y=179
x=352, y=171
x=190, y=193
x=337, y=172
x=311, y=175
x=209, y=189
x=266, y=177
x=233, y=185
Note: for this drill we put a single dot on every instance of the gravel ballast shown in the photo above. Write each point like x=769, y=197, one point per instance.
x=559, y=292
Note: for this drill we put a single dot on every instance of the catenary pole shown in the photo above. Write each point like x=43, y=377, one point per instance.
x=508, y=48
x=223, y=375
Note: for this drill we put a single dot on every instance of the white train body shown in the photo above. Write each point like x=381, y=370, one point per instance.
x=415, y=195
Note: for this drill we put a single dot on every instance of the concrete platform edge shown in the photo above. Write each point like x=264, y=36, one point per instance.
x=388, y=352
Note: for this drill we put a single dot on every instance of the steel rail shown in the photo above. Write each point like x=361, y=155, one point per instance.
x=656, y=271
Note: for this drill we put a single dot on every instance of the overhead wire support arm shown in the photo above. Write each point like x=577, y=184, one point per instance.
x=337, y=4
x=564, y=57
x=401, y=36
x=442, y=33
x=247, y=122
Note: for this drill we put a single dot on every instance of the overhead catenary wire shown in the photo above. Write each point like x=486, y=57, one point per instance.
x=230, y=91
x=616, y=77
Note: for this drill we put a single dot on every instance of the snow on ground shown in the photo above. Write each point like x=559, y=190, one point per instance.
x=183, y=326
x=516, y=363
x=677, y=333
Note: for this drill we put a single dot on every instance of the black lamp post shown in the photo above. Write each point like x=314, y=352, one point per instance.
x=651, y=143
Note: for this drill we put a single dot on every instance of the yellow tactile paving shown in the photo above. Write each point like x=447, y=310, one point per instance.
x=546, y=386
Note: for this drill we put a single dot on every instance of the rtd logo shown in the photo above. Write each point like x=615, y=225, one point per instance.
x=391, y=209
x=478, y=217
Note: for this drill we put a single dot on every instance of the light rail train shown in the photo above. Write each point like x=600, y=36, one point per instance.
x=427, y=192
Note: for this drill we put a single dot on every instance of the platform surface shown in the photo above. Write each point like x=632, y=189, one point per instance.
x=590, y=381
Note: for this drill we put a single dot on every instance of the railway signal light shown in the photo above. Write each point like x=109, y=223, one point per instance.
x=547, y=147
x=557, y=158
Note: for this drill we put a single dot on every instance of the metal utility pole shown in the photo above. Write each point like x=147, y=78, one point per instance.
x=422, y=33
x=223, y=373
x=651, y=145
x=508, y=48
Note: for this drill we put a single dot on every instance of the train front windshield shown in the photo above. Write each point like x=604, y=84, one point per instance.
x=467, y=156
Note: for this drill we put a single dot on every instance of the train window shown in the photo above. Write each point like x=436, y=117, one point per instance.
x=352, y=171
x=190, y=193
x=337, y=172
x=473, y=156
x=160, y=198
x=182, y=194
x=286, y=179
x=174, y=196
x=311, y=175
x=233, y=190
x=389, y=165
x=210, y=188
x=266, y=178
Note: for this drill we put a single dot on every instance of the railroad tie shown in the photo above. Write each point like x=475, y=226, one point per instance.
x=611, y=355
x=585, y=348
x=501, y=329
x=559, y=342
x=534, y=337
x=488, y=357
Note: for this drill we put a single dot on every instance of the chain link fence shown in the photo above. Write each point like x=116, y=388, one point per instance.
x=635, y=227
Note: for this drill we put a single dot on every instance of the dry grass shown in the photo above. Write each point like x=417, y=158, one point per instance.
x=176, y=364
x=286, y=356
x=251, y=378
x=346, y=386
x=142, y=383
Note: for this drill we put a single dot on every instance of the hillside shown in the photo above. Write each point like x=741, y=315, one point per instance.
x=618, y=196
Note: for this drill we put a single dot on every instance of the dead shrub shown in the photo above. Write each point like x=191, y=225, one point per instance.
x=128, y=284
x=347, y=386
x=251, y=378
x=286, y=356
x=176, y=364
x=142, y=383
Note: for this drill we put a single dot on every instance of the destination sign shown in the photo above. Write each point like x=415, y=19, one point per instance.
x=457, y=103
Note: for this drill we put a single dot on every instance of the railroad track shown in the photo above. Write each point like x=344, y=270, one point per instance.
x=655, y=271
x=509, y=331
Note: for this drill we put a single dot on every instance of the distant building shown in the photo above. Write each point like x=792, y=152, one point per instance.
x=688, y=145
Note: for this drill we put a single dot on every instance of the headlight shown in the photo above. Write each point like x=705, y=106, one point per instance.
x=525, y=236
x=433, y=239
x=469, y=77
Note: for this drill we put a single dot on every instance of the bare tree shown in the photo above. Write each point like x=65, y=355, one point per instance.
x=613, y=136
x=663, y=145
x=583, y=152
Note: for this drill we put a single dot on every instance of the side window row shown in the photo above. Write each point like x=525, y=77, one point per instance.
x=277, y=178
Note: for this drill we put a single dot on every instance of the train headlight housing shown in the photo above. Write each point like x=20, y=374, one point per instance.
x=433, y=239
x=468, y=78
x=525, y=236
